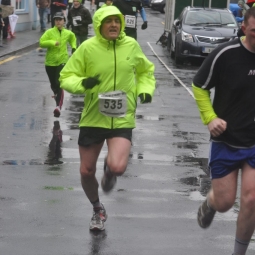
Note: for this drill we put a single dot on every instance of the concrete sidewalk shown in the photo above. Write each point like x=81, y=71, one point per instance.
x=22, y=41
x=26, y=39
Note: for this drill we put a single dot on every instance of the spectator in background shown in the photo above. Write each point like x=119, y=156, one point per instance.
x=107, y=3
x=6, y=20
x=237, y=12
x=70, y=4
x=79, y=18
x=130, y=9
x=48, y=15
x=1, y=23
x=43, y=6
x=56, y=6
x=242, y=9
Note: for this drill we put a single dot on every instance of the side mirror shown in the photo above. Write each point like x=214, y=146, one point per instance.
x=177, y=23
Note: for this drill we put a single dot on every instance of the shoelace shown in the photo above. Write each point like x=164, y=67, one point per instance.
x=96, y=217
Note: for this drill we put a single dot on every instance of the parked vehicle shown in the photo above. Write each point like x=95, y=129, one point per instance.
x=146, y=3
x=190, y=35
x=198, y=31
x=158, y=5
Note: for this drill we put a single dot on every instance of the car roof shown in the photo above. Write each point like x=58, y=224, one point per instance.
x=199, y=8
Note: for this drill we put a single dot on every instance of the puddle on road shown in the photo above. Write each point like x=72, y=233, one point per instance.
x=149, y=156
x=182, y=160
x=98, y=242
x=162, y=117
x=5, y=74
x=190, y=161
x=57, y=188
x=23, y=162
x=146, y=117
x=200, y=186
x=186, y=145
x=76, y=106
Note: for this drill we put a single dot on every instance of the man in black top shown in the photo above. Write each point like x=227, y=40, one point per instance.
x=230, y=70
x=56, y=6
x=79, y=19
x=130, y=9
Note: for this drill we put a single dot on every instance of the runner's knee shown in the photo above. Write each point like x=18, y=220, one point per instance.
x=223, y=203
x=248, y=201
x=117, y=168
x=87, y=172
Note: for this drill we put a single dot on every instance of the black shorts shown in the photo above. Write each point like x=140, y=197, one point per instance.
x=91, y=135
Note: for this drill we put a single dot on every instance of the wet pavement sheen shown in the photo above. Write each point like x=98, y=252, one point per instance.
x=151, y=211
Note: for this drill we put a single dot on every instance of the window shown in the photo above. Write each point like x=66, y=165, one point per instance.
x=20, y=5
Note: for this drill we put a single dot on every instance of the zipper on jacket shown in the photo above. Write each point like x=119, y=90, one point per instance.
x=59, y=48
x=114, y=51
x=91, y=98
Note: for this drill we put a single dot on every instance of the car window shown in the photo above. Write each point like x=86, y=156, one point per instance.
x=228, y=19
x=181, y=15
x=209, y=18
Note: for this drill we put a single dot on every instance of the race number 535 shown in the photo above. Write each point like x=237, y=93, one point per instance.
x=113, y=104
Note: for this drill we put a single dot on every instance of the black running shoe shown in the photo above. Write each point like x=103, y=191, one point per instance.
x=108, y=181
x=205, y=215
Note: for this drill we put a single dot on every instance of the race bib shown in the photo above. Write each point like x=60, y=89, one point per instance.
x=113, y=104
x=130, y=21
x=75, y=21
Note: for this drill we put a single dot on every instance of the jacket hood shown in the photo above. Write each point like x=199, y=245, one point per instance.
x=101, y=14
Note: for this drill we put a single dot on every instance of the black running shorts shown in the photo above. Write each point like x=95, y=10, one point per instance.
x=92, y=135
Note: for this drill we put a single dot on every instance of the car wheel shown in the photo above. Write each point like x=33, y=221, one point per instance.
x=178, y=60
x=172, y=53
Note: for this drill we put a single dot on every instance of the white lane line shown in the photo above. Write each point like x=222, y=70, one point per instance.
x=170, y=71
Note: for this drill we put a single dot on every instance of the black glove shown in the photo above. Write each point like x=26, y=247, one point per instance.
x=91, y=82
x=73, y=50
x=78, y=21
x=145, y=98
x=144, y=25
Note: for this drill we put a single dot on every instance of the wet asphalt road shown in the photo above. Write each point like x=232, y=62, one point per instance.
x=151, y=211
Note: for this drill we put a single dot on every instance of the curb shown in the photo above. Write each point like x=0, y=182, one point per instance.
x=22, y=48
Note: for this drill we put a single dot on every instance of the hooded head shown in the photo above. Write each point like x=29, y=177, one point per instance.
x=103, y=13
x=108, y=2
x=241, y=3
x=77, y=3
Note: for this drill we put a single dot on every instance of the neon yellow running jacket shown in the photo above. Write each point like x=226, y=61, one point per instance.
x=121, y=66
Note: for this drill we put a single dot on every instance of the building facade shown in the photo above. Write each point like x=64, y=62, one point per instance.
x=28, y=14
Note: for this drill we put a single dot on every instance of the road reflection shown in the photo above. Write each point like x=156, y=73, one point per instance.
x=55, y=151
x=97, y=242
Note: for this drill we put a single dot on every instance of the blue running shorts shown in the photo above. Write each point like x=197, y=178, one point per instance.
x=224, y=159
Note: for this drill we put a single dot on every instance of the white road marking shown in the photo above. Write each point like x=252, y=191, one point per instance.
x=170, y=71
